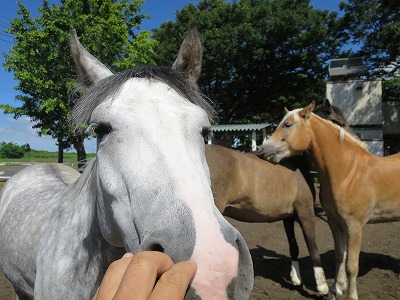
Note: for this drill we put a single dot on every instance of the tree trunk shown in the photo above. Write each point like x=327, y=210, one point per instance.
x=81, y=155
x=60, y=154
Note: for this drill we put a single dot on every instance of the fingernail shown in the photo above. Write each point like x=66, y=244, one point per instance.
x=127, y=254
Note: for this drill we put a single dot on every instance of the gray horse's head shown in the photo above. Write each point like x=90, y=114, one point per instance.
x=152, y=180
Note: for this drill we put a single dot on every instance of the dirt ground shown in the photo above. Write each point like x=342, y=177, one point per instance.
x=379, y=262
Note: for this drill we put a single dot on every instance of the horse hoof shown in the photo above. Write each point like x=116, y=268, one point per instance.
x=295, y=277
x=296, y=282
x=323, y=289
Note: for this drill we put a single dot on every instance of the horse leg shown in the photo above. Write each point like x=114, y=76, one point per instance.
x=340, y=240
x=295, y=276
x=353, y=255
x=307, y=221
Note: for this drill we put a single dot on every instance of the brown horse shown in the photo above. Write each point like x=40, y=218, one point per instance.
x=335, y=115
x=250, y=189
x=357, y=187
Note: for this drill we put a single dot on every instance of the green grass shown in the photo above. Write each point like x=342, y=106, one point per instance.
x=45, y=156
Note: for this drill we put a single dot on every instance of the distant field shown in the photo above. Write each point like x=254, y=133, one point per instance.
x=45, y=156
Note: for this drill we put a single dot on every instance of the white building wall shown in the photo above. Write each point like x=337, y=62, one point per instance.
x=361, y=103
x=360, y=100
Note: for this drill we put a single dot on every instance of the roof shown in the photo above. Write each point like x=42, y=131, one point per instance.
x=347, y=66
x=239, y=127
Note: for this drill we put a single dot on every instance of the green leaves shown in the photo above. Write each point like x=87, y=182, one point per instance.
x=12, y=150
x=260, y=55
x=375, y=26
x=41, y=62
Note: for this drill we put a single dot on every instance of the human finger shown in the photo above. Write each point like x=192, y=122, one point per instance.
x=112, y=278
x=173, y=283
x=141, y=274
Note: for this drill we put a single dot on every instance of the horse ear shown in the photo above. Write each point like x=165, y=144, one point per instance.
x=286, y=110
x=90, y=70
x=306, y=111
x=190, y=56
x=327, y=105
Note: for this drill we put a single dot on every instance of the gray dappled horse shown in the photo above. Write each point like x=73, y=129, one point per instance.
x=147, y=189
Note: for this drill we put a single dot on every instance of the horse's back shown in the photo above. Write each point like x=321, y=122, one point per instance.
x=254, y=190
x=222, y=164
x=27, y=201
x=35, y=183
x=287, y=185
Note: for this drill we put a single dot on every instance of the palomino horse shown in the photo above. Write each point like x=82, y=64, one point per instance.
x=147, y=189
x=250, y=189
x=357, y=187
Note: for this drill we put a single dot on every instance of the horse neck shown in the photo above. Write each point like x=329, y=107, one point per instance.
x=333, y=157
x=82, y=196
x=74, y=229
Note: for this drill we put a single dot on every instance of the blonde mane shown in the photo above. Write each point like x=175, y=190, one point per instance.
x=293, y=113
x=344, y=134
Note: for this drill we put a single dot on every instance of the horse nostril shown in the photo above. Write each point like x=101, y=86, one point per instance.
x=238, y=243
x=156, y=247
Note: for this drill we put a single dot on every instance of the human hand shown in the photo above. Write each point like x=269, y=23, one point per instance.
x=135, y=277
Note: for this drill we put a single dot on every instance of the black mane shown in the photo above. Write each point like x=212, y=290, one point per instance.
x=109, y=86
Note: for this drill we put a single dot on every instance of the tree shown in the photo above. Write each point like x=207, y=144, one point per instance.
x=12, y=150
x=391, y=89
x=40, y=58
x=260, y=55
x=375, y=25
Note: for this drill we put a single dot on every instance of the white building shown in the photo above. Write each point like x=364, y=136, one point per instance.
x=376, y=122
x=233, y=135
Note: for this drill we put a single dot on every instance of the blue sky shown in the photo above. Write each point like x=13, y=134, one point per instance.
x=20, y=130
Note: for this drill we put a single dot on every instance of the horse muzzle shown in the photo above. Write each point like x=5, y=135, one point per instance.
x=229, y=275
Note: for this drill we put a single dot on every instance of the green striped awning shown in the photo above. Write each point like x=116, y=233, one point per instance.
x=239, y=127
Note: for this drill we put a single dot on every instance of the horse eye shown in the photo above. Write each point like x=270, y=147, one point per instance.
x=287, y=125
x=102, y=129
x=205, y=131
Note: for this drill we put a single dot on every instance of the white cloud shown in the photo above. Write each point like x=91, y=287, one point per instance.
x=20, y=131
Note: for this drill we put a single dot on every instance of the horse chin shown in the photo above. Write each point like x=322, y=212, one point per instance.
x=273, y=152
x=275, y=157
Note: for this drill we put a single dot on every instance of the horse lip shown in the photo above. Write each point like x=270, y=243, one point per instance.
x=261, y=154
x=259, y=150
x=273, y=157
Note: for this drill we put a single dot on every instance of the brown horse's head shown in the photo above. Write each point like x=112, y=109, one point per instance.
x=335, y=115
x=290, y=138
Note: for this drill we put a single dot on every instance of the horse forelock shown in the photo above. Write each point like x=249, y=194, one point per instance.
x=110, y=86
x=292, y=113
x=344, y=134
